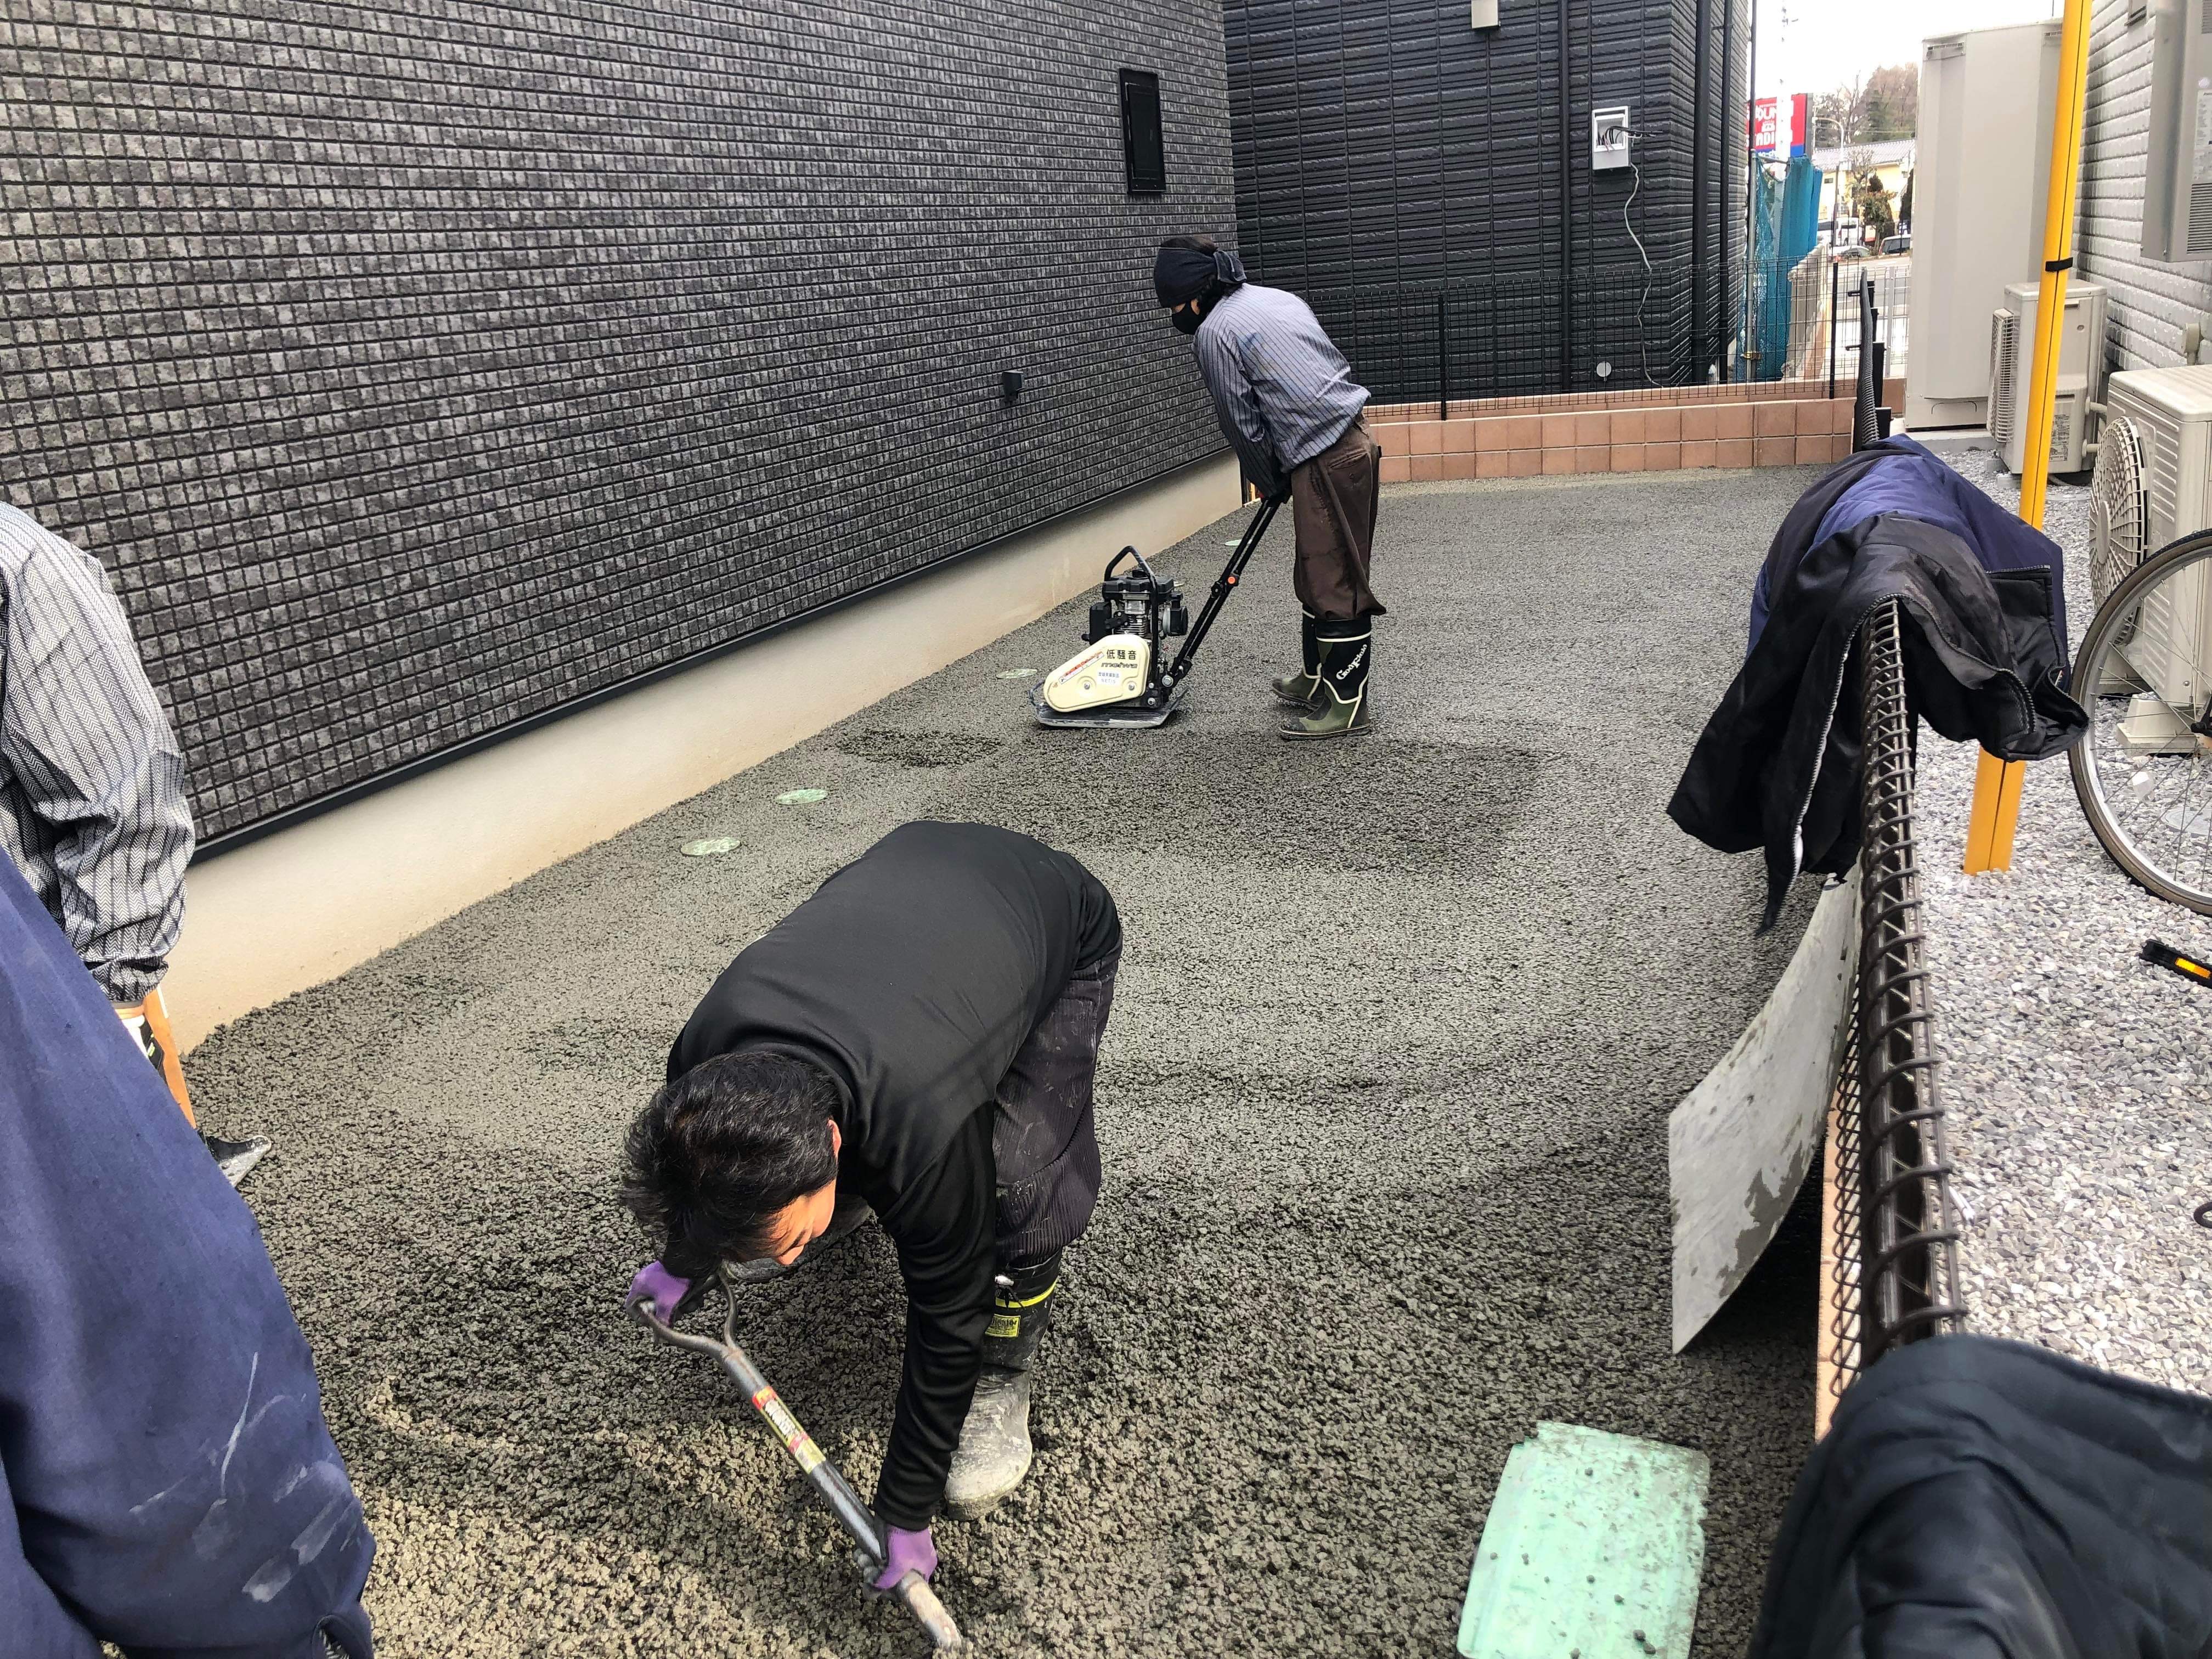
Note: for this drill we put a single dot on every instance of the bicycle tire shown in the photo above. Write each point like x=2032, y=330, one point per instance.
x=2112, y=625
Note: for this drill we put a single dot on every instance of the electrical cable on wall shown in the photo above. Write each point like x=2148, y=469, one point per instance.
x=1642, y=335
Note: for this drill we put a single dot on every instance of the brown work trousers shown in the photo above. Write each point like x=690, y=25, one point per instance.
x=1332, y=499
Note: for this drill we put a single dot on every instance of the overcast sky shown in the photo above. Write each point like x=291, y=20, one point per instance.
x=1816, y=46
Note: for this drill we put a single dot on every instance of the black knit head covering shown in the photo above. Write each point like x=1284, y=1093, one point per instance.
x=1190, y=273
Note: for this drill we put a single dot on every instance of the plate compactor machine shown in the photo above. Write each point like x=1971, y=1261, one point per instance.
x=1117, y=679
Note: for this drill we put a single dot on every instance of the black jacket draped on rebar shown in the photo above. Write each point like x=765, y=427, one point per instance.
x=1778, y=764
x=1979, y=1500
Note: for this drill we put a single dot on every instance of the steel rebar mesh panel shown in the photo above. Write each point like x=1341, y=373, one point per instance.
x=1865, y=428
x=1908, y=1265
x=1840, y=1293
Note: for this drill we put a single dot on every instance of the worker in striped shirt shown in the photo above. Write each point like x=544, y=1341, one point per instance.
x=1288, y=402
x=92, y=787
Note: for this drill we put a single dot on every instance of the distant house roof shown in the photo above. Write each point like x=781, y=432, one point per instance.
x=1890, y=152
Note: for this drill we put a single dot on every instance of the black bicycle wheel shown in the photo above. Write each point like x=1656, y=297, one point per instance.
x=2143, y=770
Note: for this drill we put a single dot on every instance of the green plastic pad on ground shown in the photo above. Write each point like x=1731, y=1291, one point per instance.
x=1593, y=1550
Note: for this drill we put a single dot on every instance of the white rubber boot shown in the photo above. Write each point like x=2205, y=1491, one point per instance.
x=235, y=1158
x=994, y=1453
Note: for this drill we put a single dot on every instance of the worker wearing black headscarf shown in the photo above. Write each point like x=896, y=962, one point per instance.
x=1288, y=402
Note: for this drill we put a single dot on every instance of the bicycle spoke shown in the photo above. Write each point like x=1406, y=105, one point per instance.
x=2190, y=829
x=2142, y=773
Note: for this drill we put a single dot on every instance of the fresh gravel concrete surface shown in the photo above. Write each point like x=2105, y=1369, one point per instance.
x=2076, y=1079
x=1382, y=1107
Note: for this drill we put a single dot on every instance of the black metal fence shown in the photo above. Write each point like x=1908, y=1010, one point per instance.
x=1620, y=329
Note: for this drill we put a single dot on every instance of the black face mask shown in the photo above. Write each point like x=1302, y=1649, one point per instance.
x=1186, y=322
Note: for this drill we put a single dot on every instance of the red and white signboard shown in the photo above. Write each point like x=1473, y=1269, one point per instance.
x=1778, y=125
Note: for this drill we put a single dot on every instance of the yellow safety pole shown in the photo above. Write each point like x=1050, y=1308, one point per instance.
x=1996, y=785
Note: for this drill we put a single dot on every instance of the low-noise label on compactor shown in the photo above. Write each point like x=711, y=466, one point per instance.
x=797, y=1440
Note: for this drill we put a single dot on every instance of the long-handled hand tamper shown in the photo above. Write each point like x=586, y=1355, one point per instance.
x=857, y=1517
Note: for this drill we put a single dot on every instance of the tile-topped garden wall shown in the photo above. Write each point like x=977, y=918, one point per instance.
x=1659, y=430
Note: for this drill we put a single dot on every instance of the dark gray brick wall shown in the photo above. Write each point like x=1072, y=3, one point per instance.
x=1386, y=149
x=419, y=369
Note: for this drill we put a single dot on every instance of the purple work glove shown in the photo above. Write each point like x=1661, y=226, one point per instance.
x=909, y=1551
x=656, y=1285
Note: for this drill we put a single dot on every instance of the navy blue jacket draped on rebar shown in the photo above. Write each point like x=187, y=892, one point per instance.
x=1978, y=1499
x=1914, y=482
x=1778, y=764
x=167, y=1481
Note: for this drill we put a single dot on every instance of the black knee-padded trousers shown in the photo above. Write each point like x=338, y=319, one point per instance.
x=1044, y=1142
x=1044, y=1139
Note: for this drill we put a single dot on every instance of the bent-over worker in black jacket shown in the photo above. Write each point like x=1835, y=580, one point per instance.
x=919, y=1038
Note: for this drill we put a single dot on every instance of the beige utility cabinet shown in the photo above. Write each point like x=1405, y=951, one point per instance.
x=1988, y=98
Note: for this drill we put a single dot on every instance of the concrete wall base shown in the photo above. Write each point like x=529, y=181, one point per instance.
x=302, y=906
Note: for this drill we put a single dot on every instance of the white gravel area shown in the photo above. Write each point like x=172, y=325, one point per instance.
x=2077, y=1082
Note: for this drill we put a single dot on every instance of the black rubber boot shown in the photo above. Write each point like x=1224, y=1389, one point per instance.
x=1343, y=710
x=1021, y=1308
x=1303, y=691
x=994, y=1452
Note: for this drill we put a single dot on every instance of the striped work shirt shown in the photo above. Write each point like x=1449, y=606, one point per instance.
x=1282, y=389
x=92, y=783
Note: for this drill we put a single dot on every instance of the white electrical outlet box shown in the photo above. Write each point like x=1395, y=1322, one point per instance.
x=1609, y=136
x=1483, y=14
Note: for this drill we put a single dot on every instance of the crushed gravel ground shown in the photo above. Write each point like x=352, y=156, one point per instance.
x=1383, y=1108
x=2075, y=1077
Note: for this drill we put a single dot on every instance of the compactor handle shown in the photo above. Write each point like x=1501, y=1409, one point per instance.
x=1143, y=564
x=1223, y=585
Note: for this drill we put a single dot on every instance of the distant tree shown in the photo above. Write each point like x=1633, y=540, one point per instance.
x=1873, y=203
x=1904, y=203
x=1867, y=110
x=1839, y=115
x=1892, y=104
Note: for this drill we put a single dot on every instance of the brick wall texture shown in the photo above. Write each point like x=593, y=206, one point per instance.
x=2150, y=302
x=416, y=370
x=1384, y=150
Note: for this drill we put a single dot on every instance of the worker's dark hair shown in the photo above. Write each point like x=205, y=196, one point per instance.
x=721, y=1148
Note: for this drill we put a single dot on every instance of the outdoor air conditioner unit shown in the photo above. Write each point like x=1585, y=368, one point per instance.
x=2177, y=222
x=1989, y=100
x=2170, y=647
x=2080, y=361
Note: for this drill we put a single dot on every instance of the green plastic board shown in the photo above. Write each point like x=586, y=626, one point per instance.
x=1593, y=1550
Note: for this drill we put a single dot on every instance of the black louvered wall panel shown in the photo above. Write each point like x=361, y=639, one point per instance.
x=1385, y=148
